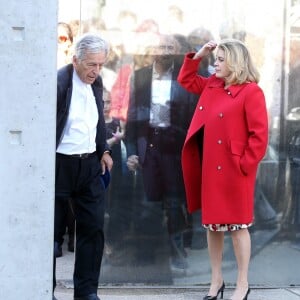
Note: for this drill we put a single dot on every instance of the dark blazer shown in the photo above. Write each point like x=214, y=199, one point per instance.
x=64, y=94
x=137, y=128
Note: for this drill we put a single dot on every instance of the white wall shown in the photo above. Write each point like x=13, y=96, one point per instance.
x=27, y=147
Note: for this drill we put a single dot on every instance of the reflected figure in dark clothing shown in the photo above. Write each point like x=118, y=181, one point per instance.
x=293, y=214
x=295, y=183
x=291, y=217
x=265, y=214
x=158, y=117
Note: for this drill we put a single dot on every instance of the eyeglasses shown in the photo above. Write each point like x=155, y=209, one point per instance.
x=62, y=39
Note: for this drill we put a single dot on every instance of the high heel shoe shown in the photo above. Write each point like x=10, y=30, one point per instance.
x=246, y=296
x=220, y=290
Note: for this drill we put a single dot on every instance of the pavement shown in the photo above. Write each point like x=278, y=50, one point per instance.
x=274, y=274
x=192, y=293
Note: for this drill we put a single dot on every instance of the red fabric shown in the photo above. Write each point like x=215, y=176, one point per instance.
x=235, y=126
x=120, y=93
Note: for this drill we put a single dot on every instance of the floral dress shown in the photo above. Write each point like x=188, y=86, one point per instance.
x=226, y=227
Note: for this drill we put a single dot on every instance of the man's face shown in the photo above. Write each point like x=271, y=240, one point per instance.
x=165, y=50
x=89, y=67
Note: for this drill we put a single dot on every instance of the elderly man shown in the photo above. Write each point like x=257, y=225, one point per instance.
x=82, y=159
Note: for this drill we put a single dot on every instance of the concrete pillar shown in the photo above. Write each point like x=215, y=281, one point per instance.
x=27, y=147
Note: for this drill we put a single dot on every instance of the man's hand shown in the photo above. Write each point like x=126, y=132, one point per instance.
x=106, y=162
x=133, y=162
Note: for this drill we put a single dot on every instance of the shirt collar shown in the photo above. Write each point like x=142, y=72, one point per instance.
x=78, y=81
x=156, y=75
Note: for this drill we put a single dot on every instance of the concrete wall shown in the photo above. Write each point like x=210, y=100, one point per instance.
x=27, y=147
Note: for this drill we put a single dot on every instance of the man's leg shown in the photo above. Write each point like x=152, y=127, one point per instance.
x=65, y=170
x=70, y=226
x=59, y=224
x=176, y=225
x=175, y=207
x=89, y=205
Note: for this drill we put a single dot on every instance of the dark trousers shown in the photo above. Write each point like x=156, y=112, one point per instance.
x=295, y=205
x=163, y=182
x=80, y=180
x=67, y=221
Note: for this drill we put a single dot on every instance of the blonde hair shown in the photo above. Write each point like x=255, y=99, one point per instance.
x=239, y=62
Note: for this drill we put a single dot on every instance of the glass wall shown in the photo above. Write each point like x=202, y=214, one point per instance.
x=151, y=239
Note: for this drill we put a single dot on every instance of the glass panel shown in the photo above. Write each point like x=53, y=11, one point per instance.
x=291, y=209
x=150, y=237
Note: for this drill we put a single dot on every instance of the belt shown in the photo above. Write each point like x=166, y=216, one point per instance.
x=158, y=130
x=80, y=156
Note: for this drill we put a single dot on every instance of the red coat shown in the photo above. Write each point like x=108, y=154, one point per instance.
x=230, y=128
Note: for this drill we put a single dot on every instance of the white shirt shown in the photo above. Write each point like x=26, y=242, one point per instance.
x=160, y=99
x=79, y=135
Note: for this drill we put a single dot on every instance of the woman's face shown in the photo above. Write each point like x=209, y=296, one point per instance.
x=63, y=47
x=107, y=103
x=64, y=42
x=221, y=67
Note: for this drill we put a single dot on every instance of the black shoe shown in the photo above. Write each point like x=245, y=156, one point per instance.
x=57, y=249
x=221, y=290
x=88, y=297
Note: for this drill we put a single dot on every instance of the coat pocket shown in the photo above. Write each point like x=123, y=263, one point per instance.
x=237, y=149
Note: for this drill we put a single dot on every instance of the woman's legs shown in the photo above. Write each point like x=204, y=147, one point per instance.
x=242, y=249
x=215, y=241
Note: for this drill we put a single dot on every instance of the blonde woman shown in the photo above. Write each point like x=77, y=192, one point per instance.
x=227, y=138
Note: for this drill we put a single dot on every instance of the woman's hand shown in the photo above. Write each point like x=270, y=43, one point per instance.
x=205, y=50
x=119, y=134
x=116, y=137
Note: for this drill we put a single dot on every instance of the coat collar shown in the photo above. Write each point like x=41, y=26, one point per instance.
x=232, y=90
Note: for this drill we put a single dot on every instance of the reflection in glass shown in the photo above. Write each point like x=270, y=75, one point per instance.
x=151, y=239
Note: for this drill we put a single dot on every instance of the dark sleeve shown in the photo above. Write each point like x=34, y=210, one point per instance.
x=101, y=144
x=64, y=92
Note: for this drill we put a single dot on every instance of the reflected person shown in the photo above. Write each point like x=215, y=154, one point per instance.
x=226, y=140
x=158, y=117
x=64, y=44
x=291, y=216
x=82, y=156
